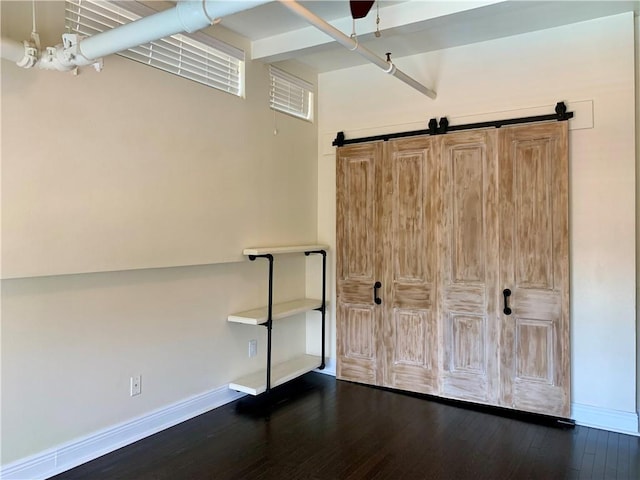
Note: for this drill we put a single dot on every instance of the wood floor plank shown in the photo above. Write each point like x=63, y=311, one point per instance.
x=318, y=428
x=611, y=461
x=578, y=444
x=586, y=469
x=634, y=457
x=600, y=455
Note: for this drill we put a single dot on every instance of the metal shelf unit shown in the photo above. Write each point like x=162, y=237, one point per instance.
x=265, y=379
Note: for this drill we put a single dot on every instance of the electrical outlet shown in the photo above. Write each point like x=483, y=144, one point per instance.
x=253, y=348
x=136, y=385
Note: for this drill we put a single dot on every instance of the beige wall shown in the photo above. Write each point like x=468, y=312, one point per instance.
x=590, y=61
x=128, y=169
x=70, y=344
x=152, y=170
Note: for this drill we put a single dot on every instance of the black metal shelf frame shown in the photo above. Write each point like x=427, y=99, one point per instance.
x=269, y=322
x=323, y=307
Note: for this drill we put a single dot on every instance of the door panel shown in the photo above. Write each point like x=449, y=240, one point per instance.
x=409, y=198
x=468, y=252
x=357, y=343
x=410, y=346
x=468, y=347
x=533, y=213
x=356, y=261
x=534, y=351
x=534, y=265
x=467, y=197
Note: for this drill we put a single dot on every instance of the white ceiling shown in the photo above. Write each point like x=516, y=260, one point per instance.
x=408, y=27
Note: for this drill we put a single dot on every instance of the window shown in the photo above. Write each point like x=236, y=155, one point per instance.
x=291, y=95
x=195, y=56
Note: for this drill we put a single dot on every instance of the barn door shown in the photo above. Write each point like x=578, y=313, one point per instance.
x=468, y=239
x=463, y=239
x=358, y=259
x=407, y=227
x=534, y=268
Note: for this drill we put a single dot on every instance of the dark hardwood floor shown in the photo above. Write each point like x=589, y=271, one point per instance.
x=318, y=428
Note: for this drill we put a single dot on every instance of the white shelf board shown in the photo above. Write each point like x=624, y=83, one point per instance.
x=289, y=249
x=256, y=383
x=258, y=316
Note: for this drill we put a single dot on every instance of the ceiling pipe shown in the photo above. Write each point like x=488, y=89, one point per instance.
x=11, y=50
x=353, y=45
x=186, y=16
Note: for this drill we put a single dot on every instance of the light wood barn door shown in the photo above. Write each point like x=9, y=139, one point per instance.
x=358, y=257
x=468, y=239
x=407, y=225
x=534, y=266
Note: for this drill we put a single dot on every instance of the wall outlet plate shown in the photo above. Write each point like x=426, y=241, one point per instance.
x=135, y=385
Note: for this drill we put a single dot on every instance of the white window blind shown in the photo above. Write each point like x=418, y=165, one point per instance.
x=290, y=94
x=195, y=56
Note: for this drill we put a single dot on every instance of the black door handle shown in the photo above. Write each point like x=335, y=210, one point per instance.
x=376, y=299
x=506, y=293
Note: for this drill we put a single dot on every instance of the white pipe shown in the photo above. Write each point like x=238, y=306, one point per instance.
x=12, y=50
x=353, y=45
x=188, y=15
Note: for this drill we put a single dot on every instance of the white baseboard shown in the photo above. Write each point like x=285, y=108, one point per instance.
x=329, y=367
x=605, y=419
x=70, y=455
